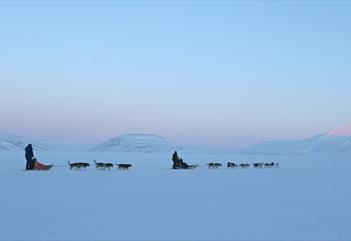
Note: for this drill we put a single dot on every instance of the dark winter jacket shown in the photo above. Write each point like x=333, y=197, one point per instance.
x=29, y=157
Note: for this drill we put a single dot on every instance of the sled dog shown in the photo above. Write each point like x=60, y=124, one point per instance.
x=232, y=165
x=214, y=165
x=124, y=166
x=78, y=165
x=99, y=165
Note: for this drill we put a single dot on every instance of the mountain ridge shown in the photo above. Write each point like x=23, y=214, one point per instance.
x=136, y=142
x=337, y=140
x=16, y=142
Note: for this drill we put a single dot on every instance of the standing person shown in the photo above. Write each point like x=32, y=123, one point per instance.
x=29, y=157
x=176, y=161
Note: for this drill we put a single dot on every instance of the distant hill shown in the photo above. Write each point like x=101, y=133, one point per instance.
x=145, y=143
x=16, y=142
x=337, y=140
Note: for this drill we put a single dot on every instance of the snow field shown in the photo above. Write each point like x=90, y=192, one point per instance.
x=307, y=198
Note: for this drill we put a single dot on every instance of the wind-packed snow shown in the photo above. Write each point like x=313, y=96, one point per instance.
x=307, y=198
x=137, y=143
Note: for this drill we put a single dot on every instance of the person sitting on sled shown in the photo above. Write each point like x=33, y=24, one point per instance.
x=32, y=162
x=29, y=157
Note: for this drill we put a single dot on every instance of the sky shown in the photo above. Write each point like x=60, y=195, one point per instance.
x=209, y=73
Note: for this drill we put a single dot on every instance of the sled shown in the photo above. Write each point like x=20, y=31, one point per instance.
x=42, y=167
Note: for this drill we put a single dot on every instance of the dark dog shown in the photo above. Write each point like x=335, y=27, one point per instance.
x=269, y=165
x=258, y=165
x=214, y=165
x=232, y=165
x=192, y=166
x=124, y=166
x=99, y=165
x=75, y=165
x=243, y=165
x=78, y=165
x=108, y=165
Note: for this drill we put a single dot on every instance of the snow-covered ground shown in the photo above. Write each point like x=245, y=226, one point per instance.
x=307, y=198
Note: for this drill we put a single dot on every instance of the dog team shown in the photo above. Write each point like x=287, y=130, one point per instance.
x=98, y=165
x=125, y=166
x=244, y=165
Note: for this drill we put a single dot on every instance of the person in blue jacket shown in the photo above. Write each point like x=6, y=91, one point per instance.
x=29, y=157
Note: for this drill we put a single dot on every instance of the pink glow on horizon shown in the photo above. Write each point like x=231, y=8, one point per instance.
x=342, y=131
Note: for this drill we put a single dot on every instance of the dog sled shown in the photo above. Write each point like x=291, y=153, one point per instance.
x=32, y=162
x=41, y=167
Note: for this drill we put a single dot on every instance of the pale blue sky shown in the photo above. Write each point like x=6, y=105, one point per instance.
x=222, y=74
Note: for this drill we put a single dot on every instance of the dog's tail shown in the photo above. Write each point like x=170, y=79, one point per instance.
x=69, y=163
x=95, y=162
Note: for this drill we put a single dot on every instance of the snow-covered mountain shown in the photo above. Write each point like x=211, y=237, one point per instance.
x=16, y=142
x=337, y=140
x=146, y=143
